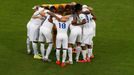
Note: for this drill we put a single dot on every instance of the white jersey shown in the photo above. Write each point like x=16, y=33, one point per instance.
x=88, y=21
x=76, y=31
x=62, y=27
x=79, y=19
x=90, y=26
x=62, y=38
x=36, y=21
x=88, y=30
x=72, y=26
x=33, y=26
x=46, y=23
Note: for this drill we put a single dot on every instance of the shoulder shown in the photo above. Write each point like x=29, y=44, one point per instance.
x=36, y=13
x=46, y=11
x=40, y=9
x=81, y=15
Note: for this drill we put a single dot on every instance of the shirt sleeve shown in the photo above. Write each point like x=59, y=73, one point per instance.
x=70, y=20
x=82, y=17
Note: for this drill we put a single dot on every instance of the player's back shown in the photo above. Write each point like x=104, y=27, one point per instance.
x=73, y=27
x=62, y=27
x=88, y=27
x=88, y=21
x=37, y=21
x=46, y=23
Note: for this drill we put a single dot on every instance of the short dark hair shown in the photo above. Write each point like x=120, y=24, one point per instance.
x=78, y=7
x=60, y=9
x=52, y=8
x=68, y=7
x=46, y=7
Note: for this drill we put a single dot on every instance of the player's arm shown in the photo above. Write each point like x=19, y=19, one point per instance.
x=61, y=19
x=53, y=15
x=80, y=23
x=50, y=19
x=36, y=16
x=94, y=17
x=74, y=22
x=65, y=18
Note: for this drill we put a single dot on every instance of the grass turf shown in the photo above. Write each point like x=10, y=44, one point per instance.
x=113, y=44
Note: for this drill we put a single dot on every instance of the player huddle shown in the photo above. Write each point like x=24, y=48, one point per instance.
x=73, y=25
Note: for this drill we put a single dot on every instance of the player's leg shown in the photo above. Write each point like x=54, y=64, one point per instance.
x=35, y=32
x=78, y=46
x=94, y=34
x=65, y=48
x=35, y=49
x=28, y=42
x=48, y=51
x=72, y=40
x=88, y=43
x=42, y=43
x=84, y=52
x=70, y=53
x=54, y=35
x=42, y=49
x=91, y=47
x=48, y=37
x=34, y=44
x=78, y=50
x=89, y=51
x=58, y=48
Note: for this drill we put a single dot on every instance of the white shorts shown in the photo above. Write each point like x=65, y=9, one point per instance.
x=87, y=39
x=45, y=35
x=94, y=27
x=88, y=31
x=75, y=36
x=62, y=41
x=28, y=29
x=33, y=32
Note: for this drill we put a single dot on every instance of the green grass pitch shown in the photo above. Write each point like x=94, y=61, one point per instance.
x=114, y=43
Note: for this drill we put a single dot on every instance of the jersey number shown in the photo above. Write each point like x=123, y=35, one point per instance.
x=62, y=25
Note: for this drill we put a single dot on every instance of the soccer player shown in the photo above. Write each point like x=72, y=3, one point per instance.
x=28, y=42
x=62, y=37
x=94, y=29
x=88, y=32
x=46, y=36
x=76, y=32
x=54, y=32
x=33, y=31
